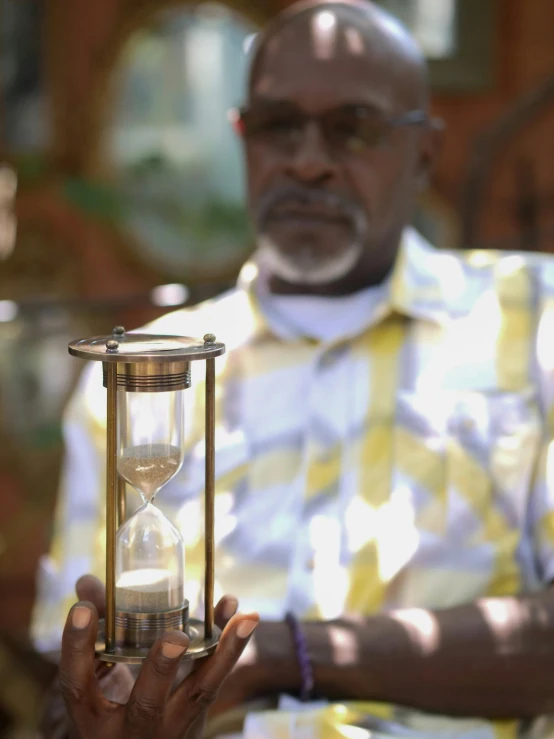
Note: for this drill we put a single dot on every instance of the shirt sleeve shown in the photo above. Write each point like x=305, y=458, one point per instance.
x=77, y=544
x=542, y=514
x=541, y=510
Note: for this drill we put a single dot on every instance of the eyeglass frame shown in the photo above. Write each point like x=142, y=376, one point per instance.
x=411, y=118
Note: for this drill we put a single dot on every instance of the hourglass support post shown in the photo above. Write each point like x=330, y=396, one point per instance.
x=111, y=503
x=121, y=502
x=209, y=499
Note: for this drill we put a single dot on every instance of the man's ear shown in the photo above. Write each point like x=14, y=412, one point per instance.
x=234, y=117
x=430, y=149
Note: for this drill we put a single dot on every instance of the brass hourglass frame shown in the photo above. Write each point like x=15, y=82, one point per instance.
x=152, y=363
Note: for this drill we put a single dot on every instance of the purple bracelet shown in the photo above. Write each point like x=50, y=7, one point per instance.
x=304, y=662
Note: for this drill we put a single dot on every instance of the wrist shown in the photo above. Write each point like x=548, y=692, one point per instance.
x=274, y=666
x=302, y=657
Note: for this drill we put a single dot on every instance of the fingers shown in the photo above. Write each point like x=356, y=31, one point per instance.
x=77, y=679
x=145, y=709
x=91, y=589
x=225, y=610
x=200, y=690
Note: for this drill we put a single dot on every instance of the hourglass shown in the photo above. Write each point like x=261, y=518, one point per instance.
x=146, y=377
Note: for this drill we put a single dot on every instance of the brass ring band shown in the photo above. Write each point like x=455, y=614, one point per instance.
x=142, y=629
x=146, y=377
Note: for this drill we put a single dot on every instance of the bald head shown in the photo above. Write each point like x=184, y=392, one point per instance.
x=358, y=29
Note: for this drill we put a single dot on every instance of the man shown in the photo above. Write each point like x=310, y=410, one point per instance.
x=384, y=418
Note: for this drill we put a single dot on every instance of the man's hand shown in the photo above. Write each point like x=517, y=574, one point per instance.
x=148, y=707
x=117, y=682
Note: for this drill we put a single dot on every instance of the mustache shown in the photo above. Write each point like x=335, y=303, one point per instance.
x=346, y=207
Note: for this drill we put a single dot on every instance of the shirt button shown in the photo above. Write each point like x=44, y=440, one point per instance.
x=331, y=357
x=327, y=360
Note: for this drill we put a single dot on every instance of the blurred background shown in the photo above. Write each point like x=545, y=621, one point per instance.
x=130, y=201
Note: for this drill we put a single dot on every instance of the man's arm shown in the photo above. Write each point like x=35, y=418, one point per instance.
x=493, y=659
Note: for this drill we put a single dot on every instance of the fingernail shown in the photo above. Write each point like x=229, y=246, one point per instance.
x=172, y=651
x=230, y=608
x=245, y=628
x=80, y=618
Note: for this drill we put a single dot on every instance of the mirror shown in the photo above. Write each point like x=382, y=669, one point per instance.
x=172, y=155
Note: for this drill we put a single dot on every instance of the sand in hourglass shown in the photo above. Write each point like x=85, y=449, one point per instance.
x=148, y=591
x=149, y=466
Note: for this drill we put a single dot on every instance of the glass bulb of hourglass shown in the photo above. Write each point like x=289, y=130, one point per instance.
x=150, y=439
x=149, y=549
x=150, y=564
x=147, y=467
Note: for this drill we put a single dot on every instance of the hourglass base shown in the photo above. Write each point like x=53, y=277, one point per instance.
x=142, y=629
x=200, y=645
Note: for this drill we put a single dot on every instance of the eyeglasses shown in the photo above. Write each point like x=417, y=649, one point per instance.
x=350, y=128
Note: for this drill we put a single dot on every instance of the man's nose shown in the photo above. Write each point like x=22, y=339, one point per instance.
x=311, y=161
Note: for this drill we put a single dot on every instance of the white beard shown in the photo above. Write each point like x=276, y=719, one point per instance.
x=307, y=267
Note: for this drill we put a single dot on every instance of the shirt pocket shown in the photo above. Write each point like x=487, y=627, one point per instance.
x=493, y=444
x=466, y=457
x=464, y=463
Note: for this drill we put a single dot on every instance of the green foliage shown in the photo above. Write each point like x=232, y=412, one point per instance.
x=31, y=169
x=99, y=201
x=214, y=220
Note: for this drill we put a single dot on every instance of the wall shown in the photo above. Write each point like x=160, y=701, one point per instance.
x=525, y=60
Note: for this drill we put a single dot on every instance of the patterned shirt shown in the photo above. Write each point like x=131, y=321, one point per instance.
x=401, y=464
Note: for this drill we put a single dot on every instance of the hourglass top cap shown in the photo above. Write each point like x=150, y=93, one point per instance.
x=135, y=348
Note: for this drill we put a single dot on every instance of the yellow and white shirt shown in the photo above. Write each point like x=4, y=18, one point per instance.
x=400, y=459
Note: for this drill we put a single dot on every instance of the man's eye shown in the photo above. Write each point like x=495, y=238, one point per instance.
x=346, y=129
x=345, y=132
x=280, y=125
x=360, y=134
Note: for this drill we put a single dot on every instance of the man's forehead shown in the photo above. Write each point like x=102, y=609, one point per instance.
x=315, y=90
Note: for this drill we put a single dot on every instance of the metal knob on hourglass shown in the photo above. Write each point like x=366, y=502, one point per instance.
x=146, y=377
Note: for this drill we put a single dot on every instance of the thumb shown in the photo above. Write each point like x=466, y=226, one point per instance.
x=91, y=589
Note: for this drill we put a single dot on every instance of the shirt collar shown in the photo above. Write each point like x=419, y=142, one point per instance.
x=423, y=284
x=426, y=283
